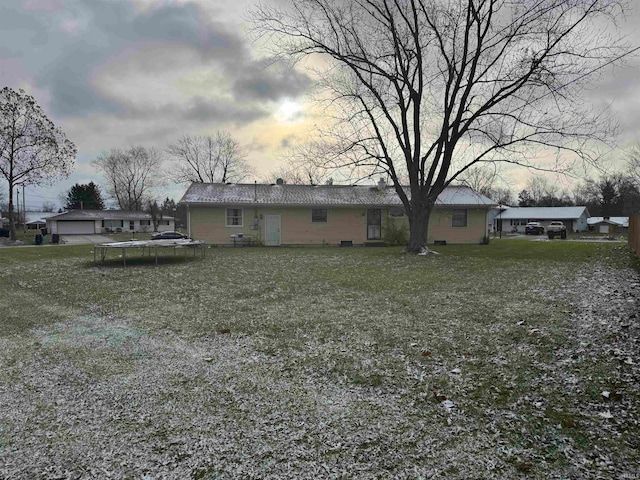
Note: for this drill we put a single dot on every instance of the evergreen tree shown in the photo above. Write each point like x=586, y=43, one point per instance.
x=84, y=197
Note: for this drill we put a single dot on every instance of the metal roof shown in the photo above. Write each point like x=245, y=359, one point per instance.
x=621, y=221
x=320, y=195
x=543, y=213
x=103, y=215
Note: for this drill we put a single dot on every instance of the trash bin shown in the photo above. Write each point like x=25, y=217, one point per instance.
x=55, y=238
x=38, y=239
x=44, y=231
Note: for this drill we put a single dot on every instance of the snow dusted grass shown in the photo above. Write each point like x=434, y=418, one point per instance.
x=482, y=362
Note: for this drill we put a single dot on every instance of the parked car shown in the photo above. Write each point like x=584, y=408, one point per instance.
x=533, y=228
x=169, y=236
x=556, y=228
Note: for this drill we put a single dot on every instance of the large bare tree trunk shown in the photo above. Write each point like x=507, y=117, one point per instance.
x=418, y=228
x=12, y=226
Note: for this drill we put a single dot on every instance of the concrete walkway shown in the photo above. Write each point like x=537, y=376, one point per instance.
x=84, y=239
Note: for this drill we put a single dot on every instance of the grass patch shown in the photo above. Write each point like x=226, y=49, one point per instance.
x=313, y=358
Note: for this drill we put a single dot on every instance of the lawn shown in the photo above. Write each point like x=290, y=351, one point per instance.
x=480, y=362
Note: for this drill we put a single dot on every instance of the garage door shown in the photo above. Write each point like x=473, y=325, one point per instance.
x=604, y=228
x=69, y=227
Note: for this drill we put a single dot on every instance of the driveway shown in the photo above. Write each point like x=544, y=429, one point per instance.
x=84, y=239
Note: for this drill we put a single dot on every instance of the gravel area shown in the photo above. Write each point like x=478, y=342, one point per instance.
x=99, y=397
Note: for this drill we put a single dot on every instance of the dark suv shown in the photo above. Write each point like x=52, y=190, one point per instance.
x=533, y=228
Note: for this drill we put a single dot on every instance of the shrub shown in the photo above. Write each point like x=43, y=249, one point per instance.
x=395, y=234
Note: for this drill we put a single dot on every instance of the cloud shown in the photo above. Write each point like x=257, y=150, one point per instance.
x=97, y=57
x=206, y=110
x=270, y=82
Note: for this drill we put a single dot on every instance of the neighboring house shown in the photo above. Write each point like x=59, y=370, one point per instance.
x=89, y=222
x=514, y=219
x=281, y=214
x=608, y=225
x=494, y=213
x=37, y=220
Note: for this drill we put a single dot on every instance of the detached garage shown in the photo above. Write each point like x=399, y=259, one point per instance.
x=76, y=227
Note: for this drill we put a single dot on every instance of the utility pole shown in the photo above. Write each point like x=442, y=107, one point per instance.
x=17, y=219
x=24, y=210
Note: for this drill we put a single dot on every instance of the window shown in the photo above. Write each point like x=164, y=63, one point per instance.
x=458, y=218
x=145, y=223
x=234, y=217
x=319, y=215
x=132, y=225
x=396, y=212
x=113, y=223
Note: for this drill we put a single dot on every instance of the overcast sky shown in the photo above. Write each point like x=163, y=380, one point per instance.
x=112, y=73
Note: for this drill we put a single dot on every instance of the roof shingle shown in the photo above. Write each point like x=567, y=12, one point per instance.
x=321, y=195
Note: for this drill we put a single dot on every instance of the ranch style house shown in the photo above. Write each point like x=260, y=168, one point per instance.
x=90, y=222
x=282, y=214
x=514, y=219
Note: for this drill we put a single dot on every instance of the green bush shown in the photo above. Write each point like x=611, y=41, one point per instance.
x=395, y=234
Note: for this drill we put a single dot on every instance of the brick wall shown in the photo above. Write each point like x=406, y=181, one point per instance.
x=208, y=223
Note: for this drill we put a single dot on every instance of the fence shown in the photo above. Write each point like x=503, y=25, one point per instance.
x=634, y=234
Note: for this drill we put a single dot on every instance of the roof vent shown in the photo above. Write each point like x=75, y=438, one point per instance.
x=279, y=181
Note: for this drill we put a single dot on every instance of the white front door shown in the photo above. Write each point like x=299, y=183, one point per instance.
x=272, y=230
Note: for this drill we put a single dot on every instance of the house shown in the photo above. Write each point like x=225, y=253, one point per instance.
x=281, y=214
x=37, y=220
x=89, y=222
x=514, y=219
x=608, y=225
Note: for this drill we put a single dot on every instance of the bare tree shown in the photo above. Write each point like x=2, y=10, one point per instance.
x=209, y=159
x=540, y=188
x=633, y=165
x=156, y=213
x=428, y=89
x=298, y=170
x=33, y=151
x=481, y=178
x=131, y=175
x=48, y=207
x=502, y=196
